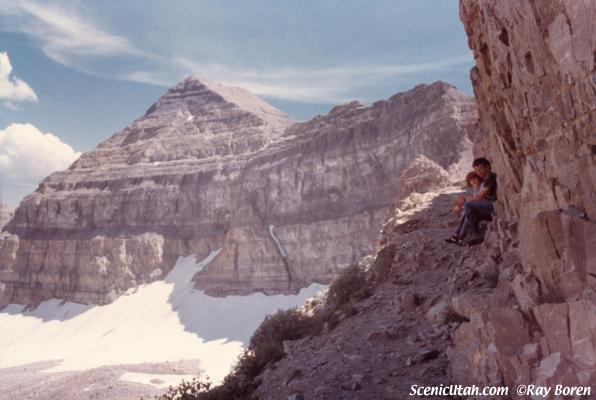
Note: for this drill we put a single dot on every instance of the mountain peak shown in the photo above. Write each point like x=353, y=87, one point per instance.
x=194, y=119
x=196, y=95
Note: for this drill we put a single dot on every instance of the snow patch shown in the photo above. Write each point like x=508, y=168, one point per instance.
x=166, y=320
x=280, y=248
x=155, y=273
x=160, y=381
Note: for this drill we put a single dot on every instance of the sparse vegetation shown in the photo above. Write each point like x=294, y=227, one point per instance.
x=266, y=346
x=186, y=390
x=350, y=286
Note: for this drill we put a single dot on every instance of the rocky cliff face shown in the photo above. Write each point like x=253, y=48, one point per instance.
x=212, y=167
x=535, y=85
x=521, y=308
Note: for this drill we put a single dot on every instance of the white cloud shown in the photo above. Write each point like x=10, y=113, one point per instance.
x=13, y=89
x=27, y=155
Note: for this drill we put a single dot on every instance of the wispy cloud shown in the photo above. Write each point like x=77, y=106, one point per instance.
x=64, y=34
x=73, y=40
x=12, y=89
x=12, y=106
x=323, y=85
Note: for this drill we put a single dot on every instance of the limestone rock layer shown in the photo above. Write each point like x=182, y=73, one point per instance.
x=211, y=167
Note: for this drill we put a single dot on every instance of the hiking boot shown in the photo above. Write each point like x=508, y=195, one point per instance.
x=455, y=240
x=452, y=239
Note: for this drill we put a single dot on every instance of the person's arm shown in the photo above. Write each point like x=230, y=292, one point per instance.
x=456, y=209
x=480, y=195
x=460, y=204
x=488, y=186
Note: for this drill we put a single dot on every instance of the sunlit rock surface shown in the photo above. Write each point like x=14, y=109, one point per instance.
x=210, y=167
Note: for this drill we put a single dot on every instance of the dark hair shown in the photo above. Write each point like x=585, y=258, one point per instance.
x=481, y=161
x=472, y=175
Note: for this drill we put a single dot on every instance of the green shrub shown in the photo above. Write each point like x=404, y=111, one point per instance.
x=186, y=391
x=267, y=341
x=350, y=286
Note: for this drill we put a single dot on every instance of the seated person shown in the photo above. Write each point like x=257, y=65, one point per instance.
x=478, y=206
x=473, y=180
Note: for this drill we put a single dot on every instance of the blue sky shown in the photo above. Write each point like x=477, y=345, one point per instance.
x=94, y=66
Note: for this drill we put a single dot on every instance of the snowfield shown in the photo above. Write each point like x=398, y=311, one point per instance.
x=162, y=321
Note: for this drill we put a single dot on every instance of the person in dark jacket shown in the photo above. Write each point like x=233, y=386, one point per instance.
x=477, y=207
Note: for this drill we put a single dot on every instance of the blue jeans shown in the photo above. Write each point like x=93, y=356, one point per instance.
x=474, y=211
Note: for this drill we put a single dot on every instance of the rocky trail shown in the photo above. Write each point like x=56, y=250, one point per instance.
x=123, y=382
x=399, y=336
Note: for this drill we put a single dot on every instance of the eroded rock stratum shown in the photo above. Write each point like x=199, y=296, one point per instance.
x=208, y=167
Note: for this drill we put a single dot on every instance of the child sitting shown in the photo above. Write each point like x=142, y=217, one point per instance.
x=474, y=181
